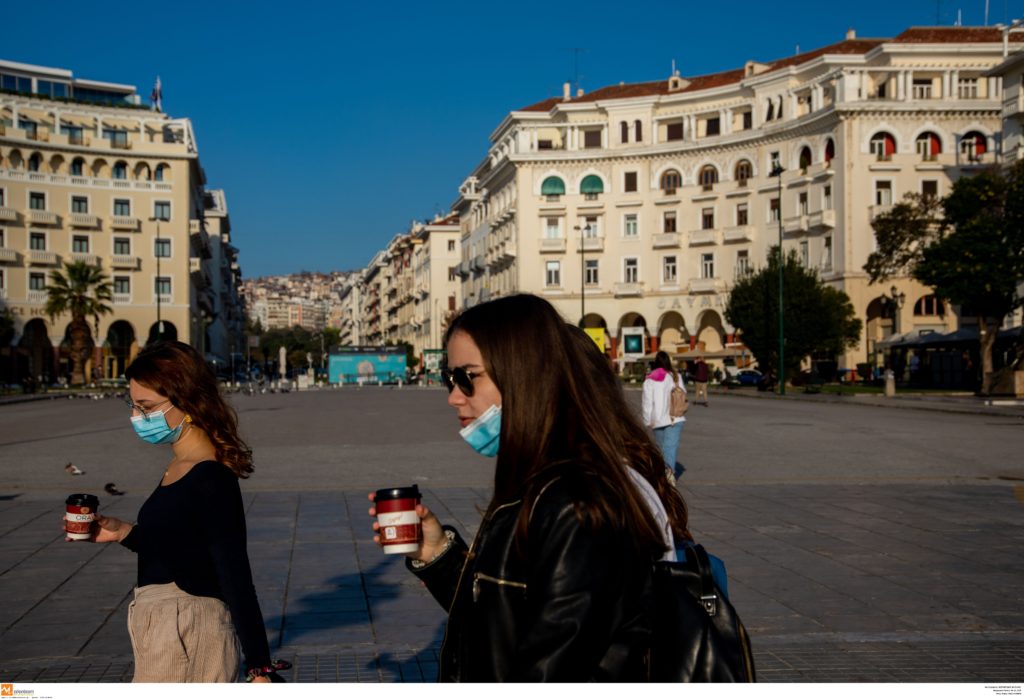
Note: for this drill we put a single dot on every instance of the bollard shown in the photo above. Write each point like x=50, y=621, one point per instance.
x=890, y=384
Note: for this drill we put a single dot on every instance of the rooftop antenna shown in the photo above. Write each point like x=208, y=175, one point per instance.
x=576, y=51
x=797, y=50
x=986, y=13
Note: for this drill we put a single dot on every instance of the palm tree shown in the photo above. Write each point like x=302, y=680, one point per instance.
x=81, y=291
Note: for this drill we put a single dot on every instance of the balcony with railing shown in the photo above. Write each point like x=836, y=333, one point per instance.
x=552, y=244
x=8, y=255
x=704, y=285
x=667, y=240
x=38, y=296
x=43, y=257
x=8, y=214
x=795, y=224
x=87, y=258
x=124, y=223
x=122, y=299
x=738, y=234
x=591, y=243
x=825, y=218
x=704, y=236
x=625, y=289
x=84, y=220
x=43, y=218
x=878, y=209
x=124, y=262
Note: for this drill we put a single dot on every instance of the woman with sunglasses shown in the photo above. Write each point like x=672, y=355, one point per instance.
x=194, y=599
x=556, y=584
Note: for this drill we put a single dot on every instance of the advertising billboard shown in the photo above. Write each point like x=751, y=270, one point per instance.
x=633, y=343
x=366, y=365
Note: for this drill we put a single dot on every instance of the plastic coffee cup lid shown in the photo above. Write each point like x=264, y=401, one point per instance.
x=404, y=493
x=80, y=499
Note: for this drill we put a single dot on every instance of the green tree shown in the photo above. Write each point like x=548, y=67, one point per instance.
x=80, y=290
x=969, y=247
x=818, y=318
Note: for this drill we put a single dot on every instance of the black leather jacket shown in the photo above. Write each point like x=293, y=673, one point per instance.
x=574, y=607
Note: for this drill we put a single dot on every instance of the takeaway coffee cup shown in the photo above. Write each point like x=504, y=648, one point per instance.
x=399, y=523
x=79, y=516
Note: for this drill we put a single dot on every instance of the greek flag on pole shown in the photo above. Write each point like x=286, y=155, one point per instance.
x=156, y=95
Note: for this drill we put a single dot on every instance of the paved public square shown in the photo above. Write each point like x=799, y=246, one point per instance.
x=864, y=543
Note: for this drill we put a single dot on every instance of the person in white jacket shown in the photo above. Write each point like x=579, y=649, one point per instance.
x=656, y=400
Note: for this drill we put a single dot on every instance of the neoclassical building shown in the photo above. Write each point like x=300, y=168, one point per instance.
x=87, y=173
x=640, y=205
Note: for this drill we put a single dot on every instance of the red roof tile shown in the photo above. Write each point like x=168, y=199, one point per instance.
x=914, y=35
x=949, y=35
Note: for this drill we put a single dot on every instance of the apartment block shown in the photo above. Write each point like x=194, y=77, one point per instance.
x=89, y=174
x=640, y=205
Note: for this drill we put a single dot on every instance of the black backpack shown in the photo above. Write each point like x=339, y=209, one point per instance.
x=697, y=636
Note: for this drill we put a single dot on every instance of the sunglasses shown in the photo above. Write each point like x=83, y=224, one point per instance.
x=461, y=378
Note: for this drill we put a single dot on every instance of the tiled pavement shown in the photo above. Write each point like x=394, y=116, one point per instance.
x=848, y=583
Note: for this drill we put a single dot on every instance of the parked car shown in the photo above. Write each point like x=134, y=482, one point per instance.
x=743, y=377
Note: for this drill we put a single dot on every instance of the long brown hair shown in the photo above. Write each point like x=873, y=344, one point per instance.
x=555, y=420
x=663, y=361
x=178, y=372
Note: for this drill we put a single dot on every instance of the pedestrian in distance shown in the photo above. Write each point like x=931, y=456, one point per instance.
x=657, y=410
x=556, y=586
x=701, y=376
x=195, y=598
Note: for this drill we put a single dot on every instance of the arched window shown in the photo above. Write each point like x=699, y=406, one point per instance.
x=638, y=131
x=805, y=158
x=120, y=170
x=671, y=181
x=158, y=174
x=708, y=177
x=830, y=151
x=928, y=145
x=883, y=145
x=77, y=167
x=624, y=131
x=930, y=305
x=744, y=171
x=552, y=188
x=973, y=145
x=34, y=162
x=591, y=186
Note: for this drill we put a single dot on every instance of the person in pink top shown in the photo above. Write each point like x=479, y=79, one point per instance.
x=656, y=402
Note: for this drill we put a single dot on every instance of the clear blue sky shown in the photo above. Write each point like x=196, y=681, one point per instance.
x=332, y=125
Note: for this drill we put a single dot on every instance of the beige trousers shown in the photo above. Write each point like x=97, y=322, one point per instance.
x=178, y=637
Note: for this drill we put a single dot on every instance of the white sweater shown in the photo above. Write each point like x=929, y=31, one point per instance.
x=656, y=400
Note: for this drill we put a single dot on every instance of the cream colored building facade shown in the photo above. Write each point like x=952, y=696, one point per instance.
x=408, y=291
x=653, y=198
x=87, y=174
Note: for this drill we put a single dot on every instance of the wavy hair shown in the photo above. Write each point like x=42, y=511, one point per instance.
x=178, y=372
x=556, y=421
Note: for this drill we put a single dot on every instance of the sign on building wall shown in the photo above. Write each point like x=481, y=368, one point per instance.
x=597, y=335
x=633, y=343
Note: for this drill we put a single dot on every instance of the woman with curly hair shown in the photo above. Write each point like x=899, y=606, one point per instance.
x=195, y=598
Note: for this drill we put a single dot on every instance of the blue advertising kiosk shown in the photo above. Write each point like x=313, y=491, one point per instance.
x=366, y=365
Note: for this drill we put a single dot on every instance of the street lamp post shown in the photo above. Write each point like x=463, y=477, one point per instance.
x=777, y=172
x=584, y=233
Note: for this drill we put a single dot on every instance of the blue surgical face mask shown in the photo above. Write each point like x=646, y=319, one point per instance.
x=153, y=428
x=482, y=434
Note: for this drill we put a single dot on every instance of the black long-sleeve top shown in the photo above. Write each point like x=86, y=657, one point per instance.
x=192, y=533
